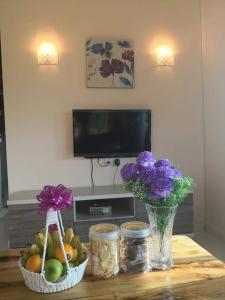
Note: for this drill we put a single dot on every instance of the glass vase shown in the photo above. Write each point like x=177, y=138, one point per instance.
x=161, y=221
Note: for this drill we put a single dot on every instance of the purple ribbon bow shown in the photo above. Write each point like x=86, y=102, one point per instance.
x=55, y=197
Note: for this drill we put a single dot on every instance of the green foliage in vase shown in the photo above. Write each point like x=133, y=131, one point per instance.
x=182, y=188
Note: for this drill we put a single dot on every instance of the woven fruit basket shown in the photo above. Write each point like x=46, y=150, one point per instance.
x=35, y=274
x=37, y=282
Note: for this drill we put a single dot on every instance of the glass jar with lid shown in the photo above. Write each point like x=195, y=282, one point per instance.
x=104, y=250
x=134, y=248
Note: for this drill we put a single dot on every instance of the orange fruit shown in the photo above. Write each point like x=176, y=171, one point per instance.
x=33, y=264
x=59, y=252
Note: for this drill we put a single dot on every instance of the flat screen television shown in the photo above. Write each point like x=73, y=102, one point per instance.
x=111, y=133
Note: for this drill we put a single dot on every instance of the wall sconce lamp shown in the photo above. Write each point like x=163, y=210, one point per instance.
x=164, y=56
x=47, y=54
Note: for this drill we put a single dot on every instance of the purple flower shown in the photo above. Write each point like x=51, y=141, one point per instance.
x=166, y=169
x=177, y=174
x=55, y=197
x=128, y=171
x=160, y=188
x=146, y=174
x=152, y=195
x=164, y=172
x=128, y=55
x=105, y=69
x=117, y=66
x=145, y=159
x=163, y=163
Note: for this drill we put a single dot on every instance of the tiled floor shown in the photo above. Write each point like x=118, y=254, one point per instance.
x=211, y=243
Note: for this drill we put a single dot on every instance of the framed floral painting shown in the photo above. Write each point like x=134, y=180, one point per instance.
x=110, y=64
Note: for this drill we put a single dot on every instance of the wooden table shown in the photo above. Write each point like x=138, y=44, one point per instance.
x=196, y=275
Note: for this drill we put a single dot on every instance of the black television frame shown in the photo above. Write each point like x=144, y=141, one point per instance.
x=111, y=155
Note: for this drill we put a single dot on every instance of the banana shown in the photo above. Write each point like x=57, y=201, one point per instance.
x=75, y=243
x=81, y=247
x=81, y=258
x=42, y=230
x=51, y=251
x=39, y=240
x=33, y=249
x=24, y=256
x=68, y=235
x=55, y=237
x=75, y=255
x=49, y=241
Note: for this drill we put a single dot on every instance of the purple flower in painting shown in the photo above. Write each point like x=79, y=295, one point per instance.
x=128, y=55
x=117, y=66
x=160, y=188
x=145, y=159
x=128, y=171
x=146, y=174
x=105, y=69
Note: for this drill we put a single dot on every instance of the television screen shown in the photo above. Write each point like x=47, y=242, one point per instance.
x=111, y=133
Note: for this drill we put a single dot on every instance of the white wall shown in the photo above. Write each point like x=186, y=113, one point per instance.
x=39, y=100
x=213, y=17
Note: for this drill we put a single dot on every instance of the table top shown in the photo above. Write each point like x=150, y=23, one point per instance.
x=196, y=275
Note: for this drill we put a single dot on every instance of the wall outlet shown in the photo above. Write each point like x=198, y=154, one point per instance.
x=116, y=162
x=110, y=162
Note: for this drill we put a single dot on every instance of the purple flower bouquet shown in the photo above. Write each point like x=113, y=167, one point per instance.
x=155, y=182
x=161, y=186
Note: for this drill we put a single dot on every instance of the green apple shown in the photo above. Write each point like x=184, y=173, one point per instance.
x=53, y=269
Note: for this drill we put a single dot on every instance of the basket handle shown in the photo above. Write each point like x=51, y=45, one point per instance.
x=60, y=222
x=54, y=217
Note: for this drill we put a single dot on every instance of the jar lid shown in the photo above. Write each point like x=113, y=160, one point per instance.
x=135, y=229
x=104, y=231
